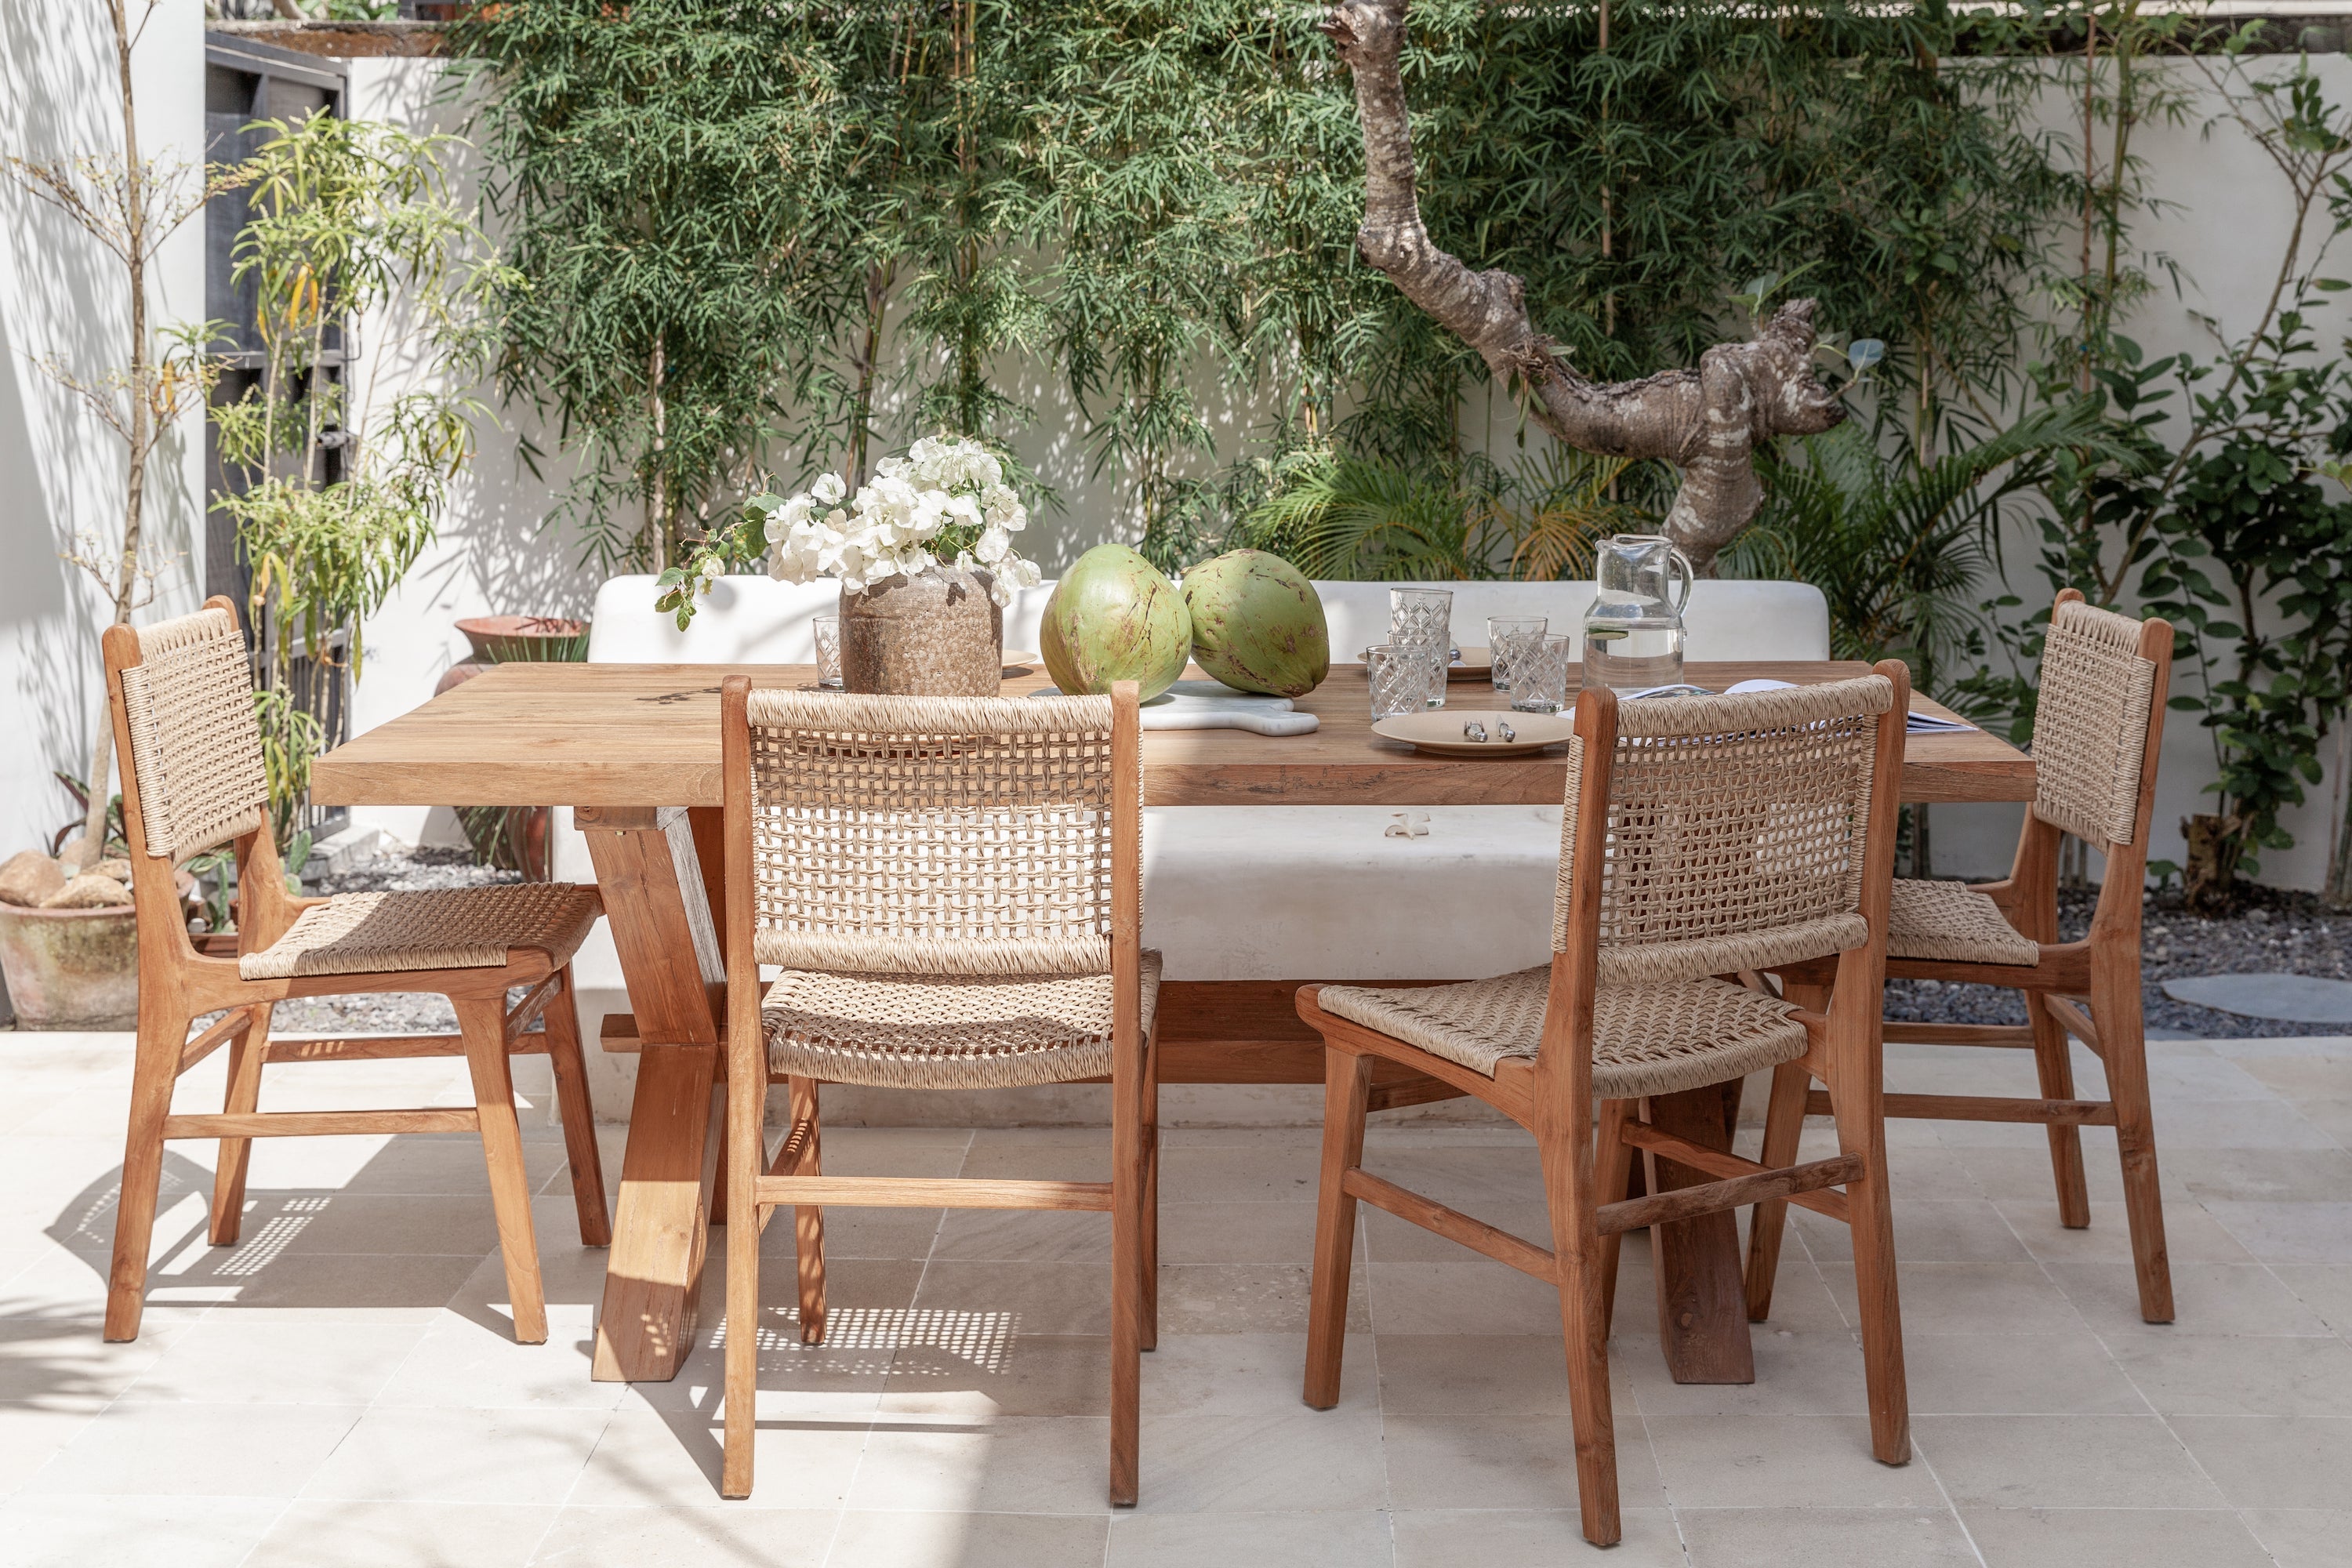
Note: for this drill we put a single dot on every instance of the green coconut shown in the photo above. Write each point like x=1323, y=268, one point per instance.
x=1114, y=617
x=1257, y=624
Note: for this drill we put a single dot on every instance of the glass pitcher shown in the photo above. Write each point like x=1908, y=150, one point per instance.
x=1634, y=628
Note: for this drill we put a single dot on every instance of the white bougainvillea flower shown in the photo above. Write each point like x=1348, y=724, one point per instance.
x=941, y=493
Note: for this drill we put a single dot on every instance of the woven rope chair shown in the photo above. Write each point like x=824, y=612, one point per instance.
x=2096, y=732
x=1701, y=836
x=181, y=695
x=952, y=890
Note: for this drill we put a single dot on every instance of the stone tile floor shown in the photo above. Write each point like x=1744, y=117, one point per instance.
x=341, y=1390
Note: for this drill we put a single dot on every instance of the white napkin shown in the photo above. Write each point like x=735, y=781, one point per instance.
x=1212, y=705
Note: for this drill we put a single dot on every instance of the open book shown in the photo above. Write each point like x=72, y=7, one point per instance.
x=1915, y=722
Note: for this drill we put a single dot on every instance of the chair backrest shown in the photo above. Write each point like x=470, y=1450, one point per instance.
x=2097, y=710
x=1736, y=830
x=940, y=836
x=196, y=747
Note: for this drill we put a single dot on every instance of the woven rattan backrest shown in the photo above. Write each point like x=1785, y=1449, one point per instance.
x=1736, y=830
x=936, y=835
x=195, y=748
x=2090, y=724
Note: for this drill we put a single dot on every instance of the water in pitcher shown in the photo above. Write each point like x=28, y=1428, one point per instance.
x=1634, y=654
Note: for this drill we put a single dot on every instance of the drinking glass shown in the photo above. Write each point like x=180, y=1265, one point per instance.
x=1539, y=672
x=1500, y=629
x=1406, y=678
x=1424, y=616
x=828, y=652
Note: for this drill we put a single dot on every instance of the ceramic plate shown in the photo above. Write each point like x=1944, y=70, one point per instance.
x=1439, y=731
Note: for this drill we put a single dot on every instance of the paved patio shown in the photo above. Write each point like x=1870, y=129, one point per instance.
x=340, y=1391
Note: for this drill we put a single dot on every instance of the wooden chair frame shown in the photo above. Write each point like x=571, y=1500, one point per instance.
x=2102, y=970
x=179, y=983
x=756, y=1186
x=1586, y=1173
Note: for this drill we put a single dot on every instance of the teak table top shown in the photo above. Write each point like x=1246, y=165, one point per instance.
x=648, y=734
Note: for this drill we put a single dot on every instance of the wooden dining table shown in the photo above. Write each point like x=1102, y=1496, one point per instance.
x=634, y=749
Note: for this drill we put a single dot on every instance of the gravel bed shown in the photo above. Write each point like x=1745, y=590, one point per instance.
x=2270, y=933
x=387, y=1012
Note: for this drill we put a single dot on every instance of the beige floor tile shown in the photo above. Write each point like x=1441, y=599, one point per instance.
x=1476, y=1178
x=2240, y=1374
x=459, y=1364
x=1530, y=1538
x=139, y=1532
x=63, y=1364
x=2113, y=1538
x=352, y=1288
x=1478, y=1297
x=1926, y=1230
x=1038, y=1298
x=1802, y=1300
x=1356, y=1540
x=1305, y=1461
x=670, y=1460
x=687, y=1537
x=1018, y=1465
x=2207, y=1299
x=1024, y=1375
x=2190, y=1235
x=199, y=1450
x=1047, y=1155
x=2016, y=1374
x=309, y=1224
x=1497, y=1375
x=1261, y=1174
x=2290, y=1232
x=968, y=1540
x=2021, y=1173
x=1249, y=1298
x=407, y=1166
x=1969, y=1298
x=883, y=1234
x=1506, y=1461
x=1812, y=1374
x=1781, y=1461
x=2272, y=1461
x=2062, y=1461
x=461, y=1456
x=1240, y=1232
x=228, y=1361
x=345, y=1534
x=1031, y=1236
x=2325, y=1288
x=30, y=1437
x=2303, y=1538
x=897, y=1150
x=1826, y=1538
x=2260, y=1174
x=844, y=1376
x=1248, y=1374
x=1388, y=1239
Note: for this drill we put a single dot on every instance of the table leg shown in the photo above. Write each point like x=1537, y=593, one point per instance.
x=651, y=877
x=1702, y=1298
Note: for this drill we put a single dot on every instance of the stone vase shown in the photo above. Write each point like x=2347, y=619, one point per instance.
x=72, y=969
x=939, y=635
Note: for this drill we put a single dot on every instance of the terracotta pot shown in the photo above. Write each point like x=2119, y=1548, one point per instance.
x=936, y=636
x=72, y=969
x=510, y=639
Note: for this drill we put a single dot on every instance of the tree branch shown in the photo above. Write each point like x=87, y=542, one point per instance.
x=1707, y=422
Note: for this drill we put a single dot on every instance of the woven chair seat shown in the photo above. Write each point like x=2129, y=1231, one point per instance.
x=1647, y=1038
x=938, y=1031
x=1952, y=923
x=453, y=928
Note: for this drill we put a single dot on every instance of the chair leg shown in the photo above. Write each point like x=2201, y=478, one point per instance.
x=746, y=1110
x=808, y=1219
x=1568, y=1181
x=1347, y=1091
x=1151, y=1338
x=1615, y=1157
x=244, y=1097
x=482, y=1021
x=1854, y=1101
x=579, y=1113
x=1129, y=1165
x=2057, y=1075
x=1784, y=1127
x=163, y=1030
x=2115, y=1008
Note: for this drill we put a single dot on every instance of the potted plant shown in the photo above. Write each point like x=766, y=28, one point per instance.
x=924, y=554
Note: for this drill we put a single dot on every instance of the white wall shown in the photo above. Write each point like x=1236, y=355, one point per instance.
x=61, y=471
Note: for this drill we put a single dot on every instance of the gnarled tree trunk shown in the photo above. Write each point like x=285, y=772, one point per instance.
x=1707, y=422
